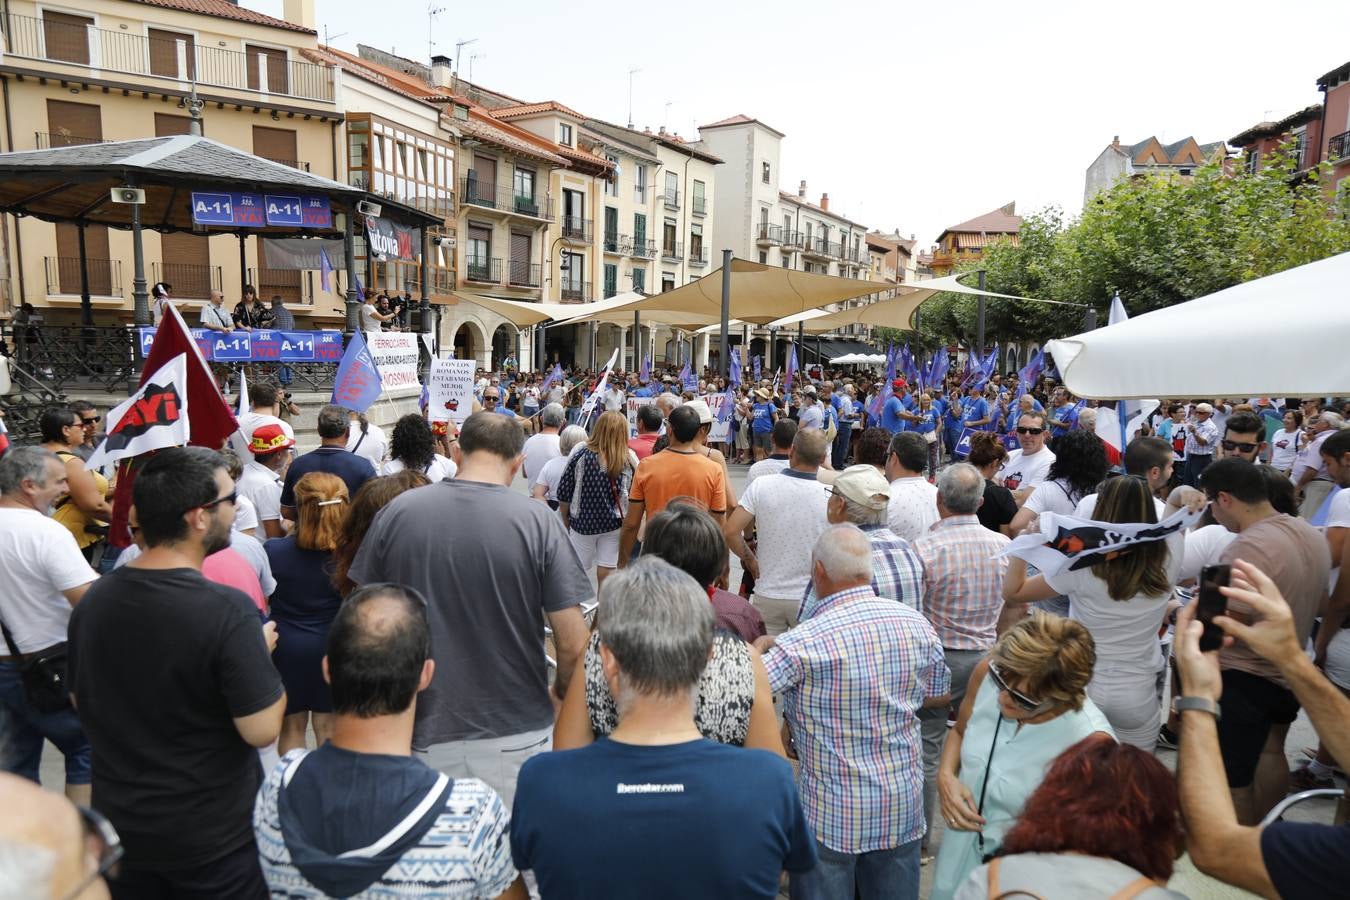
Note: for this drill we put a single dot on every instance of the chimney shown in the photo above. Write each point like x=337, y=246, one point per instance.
x=1115, y=142
x=441, y=72
x=298, y=12
x=662, y=132
x=825, y=202
x=801, y=190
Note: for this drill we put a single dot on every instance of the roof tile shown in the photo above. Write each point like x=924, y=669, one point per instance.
x=223, y=9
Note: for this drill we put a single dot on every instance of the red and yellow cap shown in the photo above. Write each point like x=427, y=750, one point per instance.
x=269, y=439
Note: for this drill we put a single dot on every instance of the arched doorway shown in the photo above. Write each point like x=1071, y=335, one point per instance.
x=465, y=346
x=503, y=345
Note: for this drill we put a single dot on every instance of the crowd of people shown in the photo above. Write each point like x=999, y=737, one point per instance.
x=509, y=658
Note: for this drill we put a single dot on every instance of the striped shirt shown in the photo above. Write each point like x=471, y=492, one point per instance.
x=897, y=571
x=855, y=675
x=962, y=583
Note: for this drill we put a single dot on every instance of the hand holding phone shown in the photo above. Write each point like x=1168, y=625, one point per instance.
x=1211, y=602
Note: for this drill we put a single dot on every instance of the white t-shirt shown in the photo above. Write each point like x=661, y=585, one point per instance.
x=1338, y=516
x=1088, y=505
x=245, y=513
x=373, y=447
x=764, y=467
x=1051, y=496
x=40, y=559
x=551, y=473
x=539, y=449
x=1125, y=631
x=1023, y=471
x=250, y=422
x=262, y=486
x=913, y=507
x=1204, y=547
x=440, y=469
x=1284, y=447
x=789, y=516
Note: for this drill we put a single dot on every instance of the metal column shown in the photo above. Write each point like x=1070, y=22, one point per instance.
x=349, y=263
x=138, y=291
x=726, y=314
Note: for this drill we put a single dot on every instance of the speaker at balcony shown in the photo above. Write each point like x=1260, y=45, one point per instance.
x=367, y=208
x=131, y=195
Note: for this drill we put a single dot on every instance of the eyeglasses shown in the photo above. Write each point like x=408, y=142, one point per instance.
x=90, y=421
x=102, y=842
x=490, y=399
x=1032, y=431
x=229, y=498
x=1020, y=699
x=1239, y=446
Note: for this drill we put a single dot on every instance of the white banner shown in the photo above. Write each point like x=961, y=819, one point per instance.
x=1068, y=543
x=450, y=390
x=395, y=355
x=631, y=407
x=154, y=417
x=721, y=431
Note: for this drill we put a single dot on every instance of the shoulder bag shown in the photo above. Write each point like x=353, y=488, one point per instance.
x=43, y=675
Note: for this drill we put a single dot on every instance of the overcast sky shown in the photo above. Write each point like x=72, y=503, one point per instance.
x=910, y=116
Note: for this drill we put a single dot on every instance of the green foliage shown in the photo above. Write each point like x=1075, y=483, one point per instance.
x=1157, y=240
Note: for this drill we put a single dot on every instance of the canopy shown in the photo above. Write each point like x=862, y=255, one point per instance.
x=524, y=313
x=1282, y=335
x=859, y=359
x=623, y=315
x=759, y=294
x=894, y=312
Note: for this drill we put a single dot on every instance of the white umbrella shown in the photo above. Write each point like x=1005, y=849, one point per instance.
x=1282, y=335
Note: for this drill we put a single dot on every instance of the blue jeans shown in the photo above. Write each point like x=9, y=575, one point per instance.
x=893, y=874
x=24, y=729
x=839, y=452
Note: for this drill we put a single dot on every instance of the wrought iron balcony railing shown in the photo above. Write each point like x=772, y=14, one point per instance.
x=700, y=206
x=576, y=229
x=44, y=140
x=1339, y=146
x=698, y=256
x=672, y=251
x=671, y=198
x=483, y=269
x=63, y=276
x=503, y=198
x=769, y=234
x=190, y=281
x=523, y=273
x=576, y=291
x=645, y=249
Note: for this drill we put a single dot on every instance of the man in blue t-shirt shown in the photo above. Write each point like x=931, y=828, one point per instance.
x=975, y=413
x=895, y=409
x=492, y=402
x=332, y=457
x=654, y=809
x=1066, y=413
x=763, y=414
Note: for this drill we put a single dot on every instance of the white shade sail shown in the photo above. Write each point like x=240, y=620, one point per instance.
x=524, y=313
x=893, y=312
x=1283, y=335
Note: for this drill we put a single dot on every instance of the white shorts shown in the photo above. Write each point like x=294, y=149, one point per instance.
x=1338, y=659
x=596, y=549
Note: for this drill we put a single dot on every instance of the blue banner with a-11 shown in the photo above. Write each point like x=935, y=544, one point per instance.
x=261, y=345
x=245, y=210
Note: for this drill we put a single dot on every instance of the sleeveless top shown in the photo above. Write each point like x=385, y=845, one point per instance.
x=70, y=515
x=726, y=691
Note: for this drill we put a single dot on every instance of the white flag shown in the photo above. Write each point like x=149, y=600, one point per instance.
x=1069, y=543
x=154, y=417
x=602, y=386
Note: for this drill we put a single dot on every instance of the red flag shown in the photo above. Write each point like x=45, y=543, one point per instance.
x=212, y=419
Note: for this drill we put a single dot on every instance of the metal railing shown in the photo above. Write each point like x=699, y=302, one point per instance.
x=63, y=276
x=502, y=197
x=440, y=281
x=291, y=285
x=793, y=238
x=52, y=358
x=698, y=256
x=700, y=206
x=135, y=54
x=45, y=140
x=190, y=282
x=672, y=251
x=617, y=243
x=522, y=273
x=769, y=234
x=644, y=248
x=671, y=197
x=300, y=164
x=480, y=268
x=575, y=228
x=1339, y=146
x=576, y=291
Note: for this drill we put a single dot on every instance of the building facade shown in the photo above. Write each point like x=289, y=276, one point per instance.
x=1335, y=125
x=967, y=241
x=1147, y=157
x=1302, y=131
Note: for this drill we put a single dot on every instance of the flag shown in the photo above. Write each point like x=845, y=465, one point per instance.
x=4, y=437
x=1120, y=429
x=1066, y=543
x=758, y=369
x=735, y=377
x=645, y=372
x=1028, y=375
x=360, y=290
x=325, y=271
x=728, y=403
x=154, y=417
x=687, y=380
x=357, y=384
x=937, y=370
x=243, y=394
x=791, y=376
x=212, y=419
x=884, y=390
x=601, y=386
x=553, y=377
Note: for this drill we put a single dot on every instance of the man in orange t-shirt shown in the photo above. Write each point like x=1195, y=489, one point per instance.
x=680, y=470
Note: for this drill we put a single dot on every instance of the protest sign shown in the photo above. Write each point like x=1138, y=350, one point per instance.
x=631, y=406
x=450, y=390
x=395, y=355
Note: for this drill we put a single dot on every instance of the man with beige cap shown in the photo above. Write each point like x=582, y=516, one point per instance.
x=1202, y=437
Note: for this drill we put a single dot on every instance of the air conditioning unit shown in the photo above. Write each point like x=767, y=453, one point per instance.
x=128, y=195
x=366, y=208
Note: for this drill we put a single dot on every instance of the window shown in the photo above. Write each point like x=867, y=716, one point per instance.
x=565, y=134
x=640, y=280
x=763, y=217
x=66, y=36
x=269, y=62
x=669, y=246
x=612, y=183
x=639, y=232
x=524, y=184
x=574, y=215
x=640, y=183
x=573, y=280
x=611, y=229
x=478, y=251
x=164, y=54
x=1253, y=161
x=765, y=174
x=700, y=203
x=763, y=258
x=696, y=241
x=672, y=190
x=808, y=234
x=667, y=281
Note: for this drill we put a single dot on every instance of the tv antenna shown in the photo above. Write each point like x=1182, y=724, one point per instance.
x=631, y=73
x=329, y=38
x=472, y=57
x=459, y=47
x=432, y=12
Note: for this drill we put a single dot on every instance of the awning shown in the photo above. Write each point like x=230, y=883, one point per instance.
x=832, y=348
x=524, y=313
x=894, y=312
x=1282, y=335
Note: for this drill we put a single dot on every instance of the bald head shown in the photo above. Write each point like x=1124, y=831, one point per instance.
x=42, y=847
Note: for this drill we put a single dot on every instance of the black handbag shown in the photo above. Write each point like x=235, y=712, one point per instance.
x=43, y=675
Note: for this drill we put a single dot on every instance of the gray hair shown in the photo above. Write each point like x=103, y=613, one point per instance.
x=570, y=437
x=1087, y=418
x=333, y=422
x=1336, y=421
x=857, y=514
x=845, y=553
x=961, y=487
x=552, y=415
x=22, y=464
x=658, y=623
x=668, y=402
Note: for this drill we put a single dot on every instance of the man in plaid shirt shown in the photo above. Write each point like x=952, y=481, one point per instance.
x=854, y=676
x=860, y=496
x=962, y=598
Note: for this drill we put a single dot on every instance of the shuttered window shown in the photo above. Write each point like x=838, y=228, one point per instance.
x=164, y=54
x=277, y=144
x=274, y=61
x=66, y=36
x=79, y=123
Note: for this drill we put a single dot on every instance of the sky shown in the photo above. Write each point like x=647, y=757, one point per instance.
x=911, y=117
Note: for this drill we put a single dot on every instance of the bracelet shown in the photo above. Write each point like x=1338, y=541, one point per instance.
x=1198, y=704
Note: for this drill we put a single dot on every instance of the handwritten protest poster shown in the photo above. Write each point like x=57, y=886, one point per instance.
x=450, y=390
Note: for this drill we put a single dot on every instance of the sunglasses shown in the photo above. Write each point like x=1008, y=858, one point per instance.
x=102, y=842
x=490, y=399
x=229, y=498
x=1021, y=430
x=1022, y=700
x=1239, y=446
x=90, y=421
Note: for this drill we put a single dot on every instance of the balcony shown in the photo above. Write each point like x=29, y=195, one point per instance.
x=643, y=248
x=671, y=197
x=482, y=269
x=63, y=277
x=576, y=230
x=43, y=140
x=1338, y=147
x=190, y=282
x=816, y=248
x=523, y=273
x=698, y=256
x=618, y=243
x=291, y=285
x=673, y=251
x=700, y=206
x=502, y=198
x=299, y=164
x=792, y=240
x=174, y=62
x=442, y=281
x=769, y=235
x=576, y=291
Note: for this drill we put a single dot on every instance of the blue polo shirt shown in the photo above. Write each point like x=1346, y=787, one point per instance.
x=352, y=469
x=890, y=414
x=973, y=411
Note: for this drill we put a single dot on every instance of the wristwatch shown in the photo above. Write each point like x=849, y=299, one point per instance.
x=1203, y=704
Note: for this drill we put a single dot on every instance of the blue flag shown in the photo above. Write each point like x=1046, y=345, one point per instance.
x=937, y=370
x=688, y=380
x=553, y=377
x=357, y=384
x=791, y=375
x=645, y=372
x=728, y=403
x=360, y=290
x=758, y=369
x=325, y=271
x=884, y=390
x=735, y=367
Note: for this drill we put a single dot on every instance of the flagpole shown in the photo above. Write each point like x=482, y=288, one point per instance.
x=726, y=312
x=349, y=262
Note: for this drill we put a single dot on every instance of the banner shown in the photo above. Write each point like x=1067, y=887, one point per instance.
x=357, y=383
x=262, y=345
x=395, y=355
x=1066, y=543
x=601, y=386
x=721, y=424
x=301, y=253
x=450, y=390
x=389, y=240
x=154, y=417
x=631, y=406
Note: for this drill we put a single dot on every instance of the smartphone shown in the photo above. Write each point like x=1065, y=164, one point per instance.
x=1211, y=602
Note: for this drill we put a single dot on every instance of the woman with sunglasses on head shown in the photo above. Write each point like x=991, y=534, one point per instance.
x=1026, y=703
x=1122, y=602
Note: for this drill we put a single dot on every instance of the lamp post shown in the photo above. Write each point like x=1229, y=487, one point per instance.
x=541, y=329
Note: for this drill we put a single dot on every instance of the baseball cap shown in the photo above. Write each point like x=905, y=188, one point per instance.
x=864, y=485
x=898, y=383
x=809, y=390
x=704, y=411
x=269, y=439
